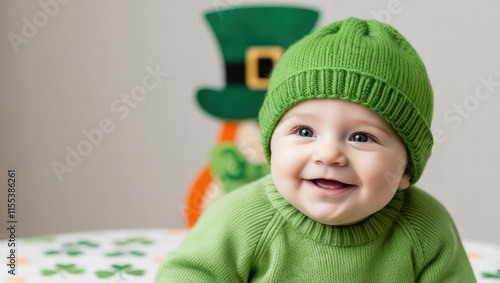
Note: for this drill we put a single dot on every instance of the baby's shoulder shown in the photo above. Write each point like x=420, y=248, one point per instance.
x=419, y=204
x=245, y=206
x=426, y=216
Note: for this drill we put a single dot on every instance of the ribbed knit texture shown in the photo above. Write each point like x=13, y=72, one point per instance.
x=363, y=61
x=254, y=234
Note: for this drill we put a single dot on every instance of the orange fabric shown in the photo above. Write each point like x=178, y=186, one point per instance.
x=195, y=197
x=228, y=131
x=197, y=191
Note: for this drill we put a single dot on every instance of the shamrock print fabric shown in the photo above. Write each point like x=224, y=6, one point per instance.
x=98, y=256
x=135, y=255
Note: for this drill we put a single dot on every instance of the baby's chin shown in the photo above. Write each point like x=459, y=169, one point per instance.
x=333, y=221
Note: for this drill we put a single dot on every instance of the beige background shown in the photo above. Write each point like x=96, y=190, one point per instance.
x=65, y=78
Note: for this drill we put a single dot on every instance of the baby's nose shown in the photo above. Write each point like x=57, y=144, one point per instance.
x=330, y=152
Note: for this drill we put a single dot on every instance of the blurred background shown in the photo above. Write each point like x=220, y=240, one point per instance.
x=68, y=68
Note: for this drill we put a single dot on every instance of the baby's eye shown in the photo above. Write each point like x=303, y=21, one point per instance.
x=304, y=132
x=361, y=137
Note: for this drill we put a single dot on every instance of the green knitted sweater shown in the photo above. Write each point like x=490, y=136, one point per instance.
x=254, y=234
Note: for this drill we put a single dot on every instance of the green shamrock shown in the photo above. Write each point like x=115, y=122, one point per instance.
x=141, y=240
x=62, y=269
x=491, y=275
x=119, y=270
x=46, y=238
x=135, y=253
x=72, y=249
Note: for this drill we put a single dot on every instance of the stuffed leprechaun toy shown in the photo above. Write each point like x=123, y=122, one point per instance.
x=252, y=40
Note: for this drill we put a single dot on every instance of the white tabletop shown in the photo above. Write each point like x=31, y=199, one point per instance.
x=135, y=255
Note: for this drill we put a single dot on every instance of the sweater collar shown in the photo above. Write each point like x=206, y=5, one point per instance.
x=370, y=229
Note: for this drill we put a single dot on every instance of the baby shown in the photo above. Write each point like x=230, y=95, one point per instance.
x=345, y=126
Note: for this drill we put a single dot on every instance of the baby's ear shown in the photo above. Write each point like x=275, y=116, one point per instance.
x=405, y=182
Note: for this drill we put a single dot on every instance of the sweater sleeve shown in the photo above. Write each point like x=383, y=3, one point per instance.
x=220, y=246
x=443, y=256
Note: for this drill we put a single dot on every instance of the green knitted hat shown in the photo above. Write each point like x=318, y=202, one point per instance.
x=363, y=61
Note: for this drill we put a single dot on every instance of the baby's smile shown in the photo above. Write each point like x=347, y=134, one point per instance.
x=329, y=184
x=329, y=188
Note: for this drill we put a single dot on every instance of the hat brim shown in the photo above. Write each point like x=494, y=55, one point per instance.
x=231, y=103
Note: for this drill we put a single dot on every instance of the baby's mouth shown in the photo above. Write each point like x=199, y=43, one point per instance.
x=329, y=184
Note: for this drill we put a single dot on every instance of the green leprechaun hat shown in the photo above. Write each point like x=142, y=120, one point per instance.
x=252, y=40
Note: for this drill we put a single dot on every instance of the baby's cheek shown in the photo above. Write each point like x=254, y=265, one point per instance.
x=372, y=170
x=384, y=178
x=284, y=167
x=279, y=151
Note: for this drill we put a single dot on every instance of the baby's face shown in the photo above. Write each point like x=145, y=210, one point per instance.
x=321, y=140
